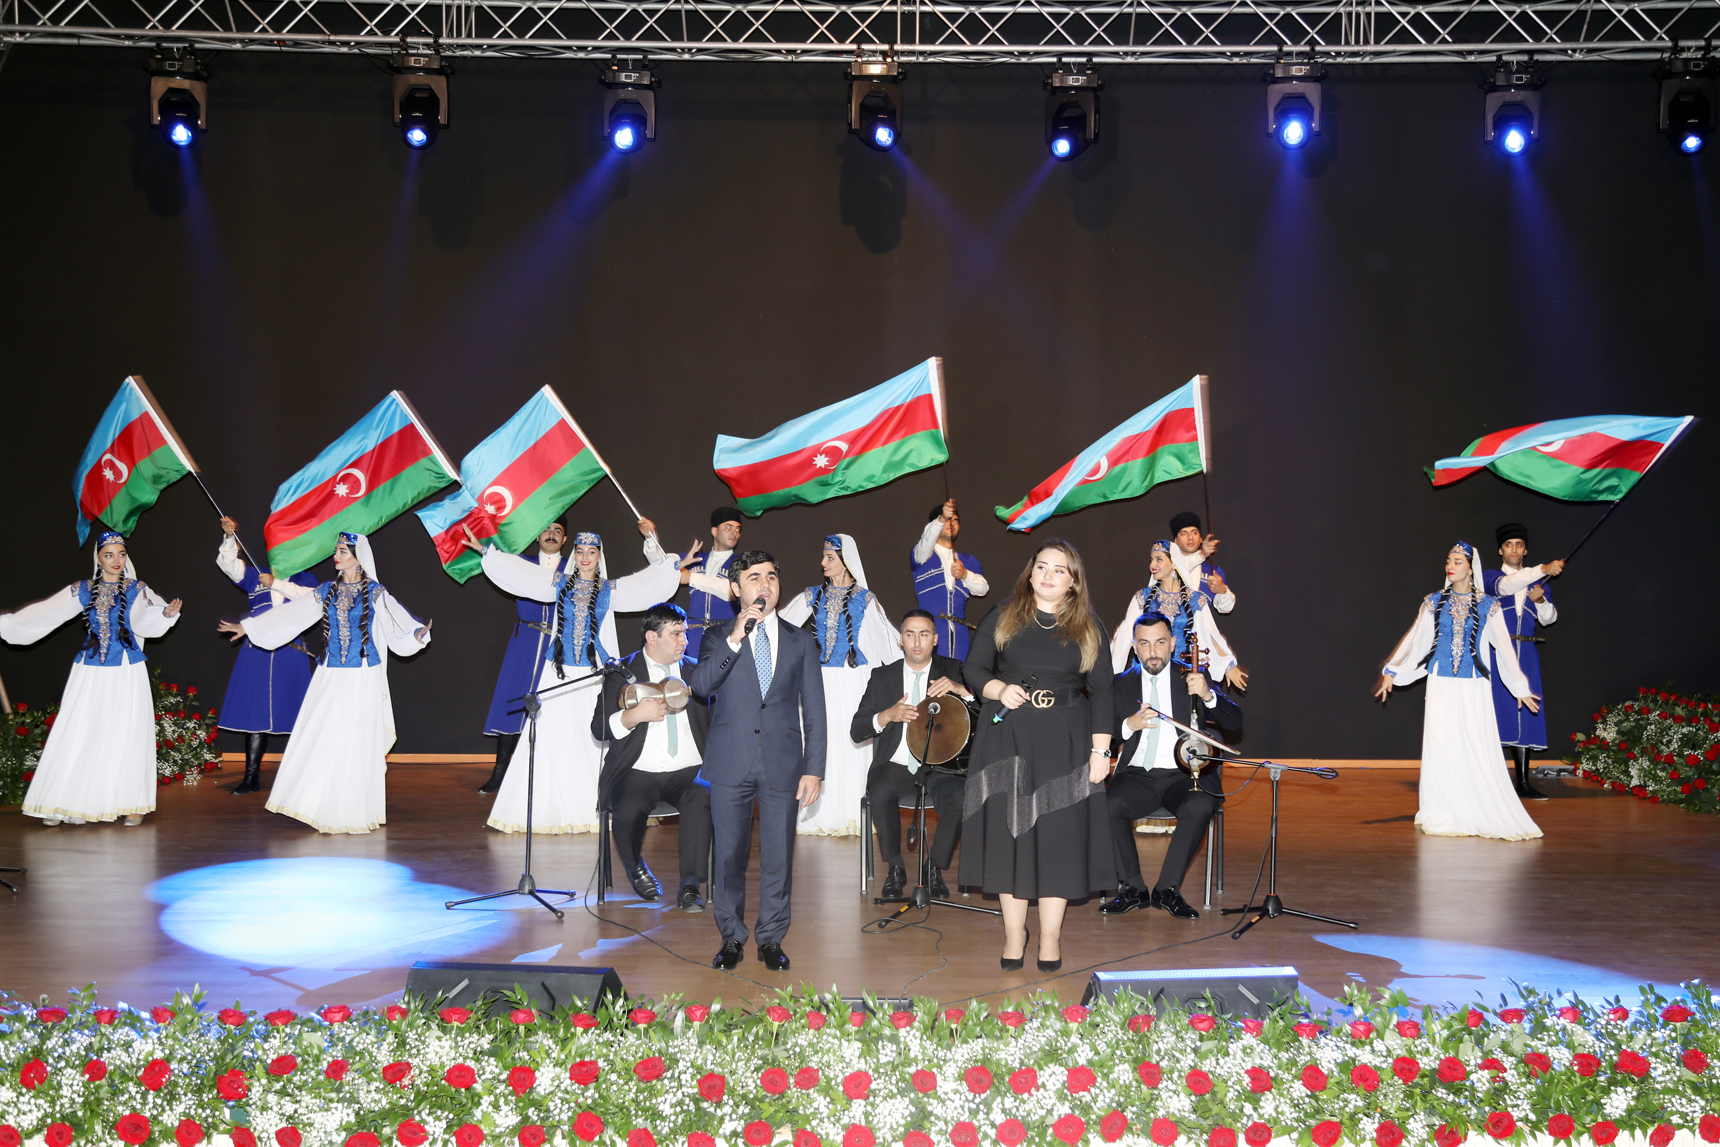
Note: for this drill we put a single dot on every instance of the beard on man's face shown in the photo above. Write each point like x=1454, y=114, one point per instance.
x=1154, y=664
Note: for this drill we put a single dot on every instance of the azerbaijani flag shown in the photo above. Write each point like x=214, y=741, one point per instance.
x=1166, y=440
x=875, y=437
x=1595, y=459
x=526, y=473
x=132, y=457
x=363, y=480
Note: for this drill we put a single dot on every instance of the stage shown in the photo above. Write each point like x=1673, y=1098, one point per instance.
x=213, y=890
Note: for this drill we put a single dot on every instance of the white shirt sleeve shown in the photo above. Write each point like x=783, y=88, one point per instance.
x=1226, y=601
x=616, y=729
x=1510, y=583
x=880, y=642
x=289, y=590
x=1124, y=638
x=798, y=610
x=35, y=621
x=1505, y=654
x=149, y=614
x=1220, y=657
x=227, y=558
x=1545, y=612
x=276, y=627
x=928, y=540
x=394, y=626
x=519, y=576
x=1404, y=665
x=976, y=584
x=645, y=588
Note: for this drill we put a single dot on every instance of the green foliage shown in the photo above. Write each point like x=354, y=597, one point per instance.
x=1662, y=747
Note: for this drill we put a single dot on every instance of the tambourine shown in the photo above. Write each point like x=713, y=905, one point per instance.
x=672, y=691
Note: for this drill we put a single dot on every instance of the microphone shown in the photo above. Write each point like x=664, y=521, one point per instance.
x=997, y=717
x=752, y=621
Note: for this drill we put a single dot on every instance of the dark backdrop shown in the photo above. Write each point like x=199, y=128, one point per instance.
x=1363, y=308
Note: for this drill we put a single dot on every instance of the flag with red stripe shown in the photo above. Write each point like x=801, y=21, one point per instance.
x=515, y=483
x=1166, y=440
x=132, y=457
x=363, y=480
x=861, y=442
x=1595, y=459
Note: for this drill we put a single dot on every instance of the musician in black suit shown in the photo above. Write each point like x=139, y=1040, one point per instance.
x=892, y=694
x=1145, y=775
x=766, y=744
x=654, y=755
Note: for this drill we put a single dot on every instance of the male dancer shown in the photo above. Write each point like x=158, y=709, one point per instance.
x=1193, y=559
x=766, y=744
x=710, y=600
x=1526, y=603
x=892, y=694
x=526, y=644
x=654, y=755
x=944, y=579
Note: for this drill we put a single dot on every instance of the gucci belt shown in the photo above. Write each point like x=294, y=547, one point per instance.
x=1042, y=698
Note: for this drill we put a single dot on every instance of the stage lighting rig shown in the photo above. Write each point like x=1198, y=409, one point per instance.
x=1293, y=100
x=629, y=107
x=178, y=94
x=420, y=95
x=875, y=100
x=1511, y=116
x=1687, y=101
x=1071, y=112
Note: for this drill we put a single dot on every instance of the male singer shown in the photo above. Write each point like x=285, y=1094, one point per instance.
x=768, y=687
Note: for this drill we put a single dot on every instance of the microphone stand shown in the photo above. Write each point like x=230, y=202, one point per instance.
x=1272, y=907
x=528, y=886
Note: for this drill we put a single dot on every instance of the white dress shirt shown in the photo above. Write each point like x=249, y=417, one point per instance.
x=655, y=756
x=976, y=584
x=914, y=686
x=1164, y=755
x=1511, y=576
x=769, y=625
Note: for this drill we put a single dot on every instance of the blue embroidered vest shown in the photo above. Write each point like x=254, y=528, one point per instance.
x=111, y=647
x=1451, y=656
x=1170, y=604
x=833, y=621
x=583, y=611
x=350, y=646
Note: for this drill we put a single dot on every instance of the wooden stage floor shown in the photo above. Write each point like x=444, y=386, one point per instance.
x=213, y=890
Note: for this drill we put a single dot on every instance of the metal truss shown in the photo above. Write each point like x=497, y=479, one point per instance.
x=971, y=32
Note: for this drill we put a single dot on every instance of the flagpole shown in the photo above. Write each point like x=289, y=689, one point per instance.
x=1689, y=421
x=940, y=399
x=1201, y=413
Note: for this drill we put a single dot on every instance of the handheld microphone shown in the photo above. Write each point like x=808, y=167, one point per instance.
x=997, y=717
x=753, y=621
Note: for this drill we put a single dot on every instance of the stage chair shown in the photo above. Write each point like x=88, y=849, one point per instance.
x=1214, y=848
x=606, y=855
x=869, y=846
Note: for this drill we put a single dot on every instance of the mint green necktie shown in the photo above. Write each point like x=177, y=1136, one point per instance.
x=1152, y=733
x=674, y=733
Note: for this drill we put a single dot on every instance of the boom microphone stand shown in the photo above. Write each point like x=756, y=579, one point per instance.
x=1272, y=907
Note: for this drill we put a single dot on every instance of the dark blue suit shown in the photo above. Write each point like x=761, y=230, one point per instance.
x=755, y=751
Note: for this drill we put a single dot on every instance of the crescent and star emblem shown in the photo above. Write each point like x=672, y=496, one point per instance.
x=124, y=470
x=1552, y=447
x=1104, y=465
x=823, y=461
x=341, y=489
x=501, y=504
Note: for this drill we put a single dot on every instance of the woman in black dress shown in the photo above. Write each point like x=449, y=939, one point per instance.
x=1033, y=823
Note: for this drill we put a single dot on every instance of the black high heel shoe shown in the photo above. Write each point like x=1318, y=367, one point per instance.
x=1047, y=965
x=1020, y=961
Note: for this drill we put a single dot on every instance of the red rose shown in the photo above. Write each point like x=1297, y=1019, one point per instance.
x=1080, y=1079
x=1388, y=1134
x=232, y=1086
x=757, y=1133
x=694, y=1139
x=642, y=1016
x=1163, y=1132
x=917, y=1139
x=1675, y=1014
x=1150, y=1074
x=816, y=1020
x=1141, y=1023
x=134, y=1128
x=232, y=1017
x=1632, y=1063
x=1491, y=1064
x=58, y=1134
x=1512, y=1015
x=1361, y=1029
x=468, y=1135
x=777, y=1014
x=1451, y=1070
x=523, y=1016
x=1257, y=1134
x=161, y=1015
x=712, y=1086
x=1259, y=1080
x=1603, y=1132
x=1313, y=1078
x=1075, y=1014
x=188, y=1132
x=1700, y=782
x=460, y=1075
x=858, y=1135
x=585, y=1072
x=1327, y=1132
x=806, y=1078
x=964, y=1134
x=106, y=1015
x=1023, y=1081
x=522, y=1079
x=1405, y=1068
x=900, y=1020
x=1111, y=1127
x=774, y=1080
x=698, y=1014
x=1201, y=1022
x=641, y=1137
x=280, y=1018
x=1364, y=1077
x=857, y=1085
x=1254, y=1028
x=1537, y=1064
x=283, y=1064
x=649, y=1068
x=1221, y=1137
x=1071, y=1127
x=856, y=1019
x=395, y=1012
x=1306, y=1030
x=1618, y=1014
x=155, y=1074
x=363, y=1139
x=411, y=1133
x=1011, y=1132
x=396, y=1072
x=1709, y=1128
x=589, y=1126
x=1585, y=1064
x=1694, y=1061
x=1500, y=1124
x=1446, y=1137
x=336, y=1070
x=978, y=1079
x=924, y=1081
x=1011, y=1019
x=1561, y=1127
x=1474, y=1018
x=954, y=1015
x=1198, y=1082
x=805, y=1138
x=454, y=1015
x=1661, y=1135
x=58, y=1015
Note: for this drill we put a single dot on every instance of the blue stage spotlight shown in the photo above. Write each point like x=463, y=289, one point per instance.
x=420, y=96
x=629, y=107
x=1071, y=112
x=875, y=101
x=1511, y=114
x=1293, y=101
x=178, y=95
x=1687, y=101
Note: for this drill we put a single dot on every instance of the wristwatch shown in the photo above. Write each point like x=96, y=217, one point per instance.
x=1106, y=753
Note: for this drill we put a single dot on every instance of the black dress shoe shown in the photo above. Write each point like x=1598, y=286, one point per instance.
x=1171, y=901
x=730, y=956
x=1127, y=899
x=495, y=782
x=773, y=957
x=1050, y=965
x=690, y=900
x=895, y=880
x=644, y=883
x=937, y=888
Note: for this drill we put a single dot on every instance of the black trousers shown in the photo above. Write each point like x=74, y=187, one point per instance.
x=637, y=793
x=888, y=784
x=731, y=818
x=1135, y=792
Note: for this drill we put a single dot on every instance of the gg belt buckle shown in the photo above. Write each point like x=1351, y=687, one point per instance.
x=1042, y=698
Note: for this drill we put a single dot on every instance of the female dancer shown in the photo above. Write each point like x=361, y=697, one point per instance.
x=1464, y=792
x=99, y=762
x=332, y=774
x=1167, y=594
x=586, y=599
x=854, y=637
x=1033, y=822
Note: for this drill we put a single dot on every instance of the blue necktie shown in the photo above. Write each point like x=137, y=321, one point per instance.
x=761, y=659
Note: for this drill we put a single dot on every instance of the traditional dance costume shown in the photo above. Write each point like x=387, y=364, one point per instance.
x=941, y=593
x=1464, y=792
x=1191, y=605
x=854, y=636
x=332, y=775
x=564, y=796
x=1195, y=568
x=99, y=761
x=525, y=653
x=267, y=686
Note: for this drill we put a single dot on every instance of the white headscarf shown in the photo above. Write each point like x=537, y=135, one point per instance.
x=850, y=557
x=360, y=545
x=589, y=538
x=108, y=537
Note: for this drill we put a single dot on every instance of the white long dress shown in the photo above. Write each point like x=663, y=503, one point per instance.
x=564, y=795
x=99, y=761
x=836, y=812
x=333, y=774
x=1465, y=789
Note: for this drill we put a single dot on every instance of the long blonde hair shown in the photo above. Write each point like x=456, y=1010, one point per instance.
x=1076, y=622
